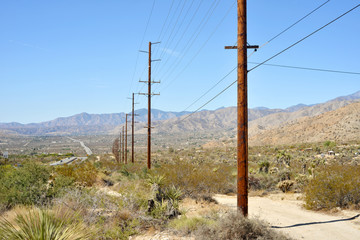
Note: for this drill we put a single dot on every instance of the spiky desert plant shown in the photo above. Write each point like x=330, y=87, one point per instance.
x=173, y=193
x=155, y=179
x=44, y=225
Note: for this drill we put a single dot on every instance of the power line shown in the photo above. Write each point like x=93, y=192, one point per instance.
x=288, y=28
x=304, y=38
x=292, y=25
x=167, y=17
x=137, y=57
x=264, y=62
x=186, y=29
x=168, y=42
x=195, y=35
x=307, y=68
x=200, y=49
x=210, y=100
x=211, y=88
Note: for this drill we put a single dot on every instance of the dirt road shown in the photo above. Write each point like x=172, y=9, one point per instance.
x=284, y=213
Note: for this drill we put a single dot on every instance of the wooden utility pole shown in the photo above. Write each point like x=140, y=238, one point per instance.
x=123, y=144
x=149, y=82
x=132, y=127
x=126, y=121
x=242, y=109
x=120, y=147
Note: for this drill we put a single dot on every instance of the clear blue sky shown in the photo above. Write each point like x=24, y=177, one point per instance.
x=60, y=58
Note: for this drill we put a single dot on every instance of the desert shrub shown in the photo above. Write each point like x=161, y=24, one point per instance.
x=334, y=186
x=84, y=174
x=301, y=181
x=135, y=193
x=262, y=182
x=25, y=185
x=286, y=185
x=198, y=179
x=185, y=225
x=236, y=226
x=264, y=166
x=43, y=224
x=159, y=209
x=329, y=144
x=118, y=225
x=111, y=214
x=90, y=203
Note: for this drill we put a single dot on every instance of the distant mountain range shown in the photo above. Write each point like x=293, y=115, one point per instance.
x=84, y=123
x=262, y=121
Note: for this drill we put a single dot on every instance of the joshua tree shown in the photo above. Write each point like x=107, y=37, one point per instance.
x=283, y=157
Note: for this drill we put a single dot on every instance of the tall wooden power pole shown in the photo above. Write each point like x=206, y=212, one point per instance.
x=126, y=122
x=149, y=82
x=123, y=144
x=132, y=127
x=120, y=147
x=242, y=109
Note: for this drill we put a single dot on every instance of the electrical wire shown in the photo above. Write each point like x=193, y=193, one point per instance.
x=209, y=101
x=200, y=49
x=137, y=57
x=195, y=34
x=222, y=79
x=307, y=68
x=294, y=44
x=167, y=43
x=292, y=25
x=288, y=28
x=185, y=31
x=264, y=62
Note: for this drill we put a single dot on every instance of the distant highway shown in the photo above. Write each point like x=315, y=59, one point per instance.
x=87, y=149
x=68, y=161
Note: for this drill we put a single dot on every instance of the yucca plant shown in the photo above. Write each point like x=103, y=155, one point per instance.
x=173, y=193
x=155, y=179
x=44, y=225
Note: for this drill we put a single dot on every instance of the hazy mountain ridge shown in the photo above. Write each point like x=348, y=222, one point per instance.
x=261, y=120
x=84, y=123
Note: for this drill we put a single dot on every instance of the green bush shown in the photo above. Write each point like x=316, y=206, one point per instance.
x=186, y=225
x=84, y=173
x=26, y=185
x=263, y=182
x=198, y=179
x=334, y=186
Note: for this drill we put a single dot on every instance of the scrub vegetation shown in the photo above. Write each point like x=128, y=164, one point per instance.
x=102, y=199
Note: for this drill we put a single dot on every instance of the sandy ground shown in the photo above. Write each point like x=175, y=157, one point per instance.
x=284, y=213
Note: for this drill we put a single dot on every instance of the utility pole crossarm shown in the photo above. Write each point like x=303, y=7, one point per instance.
x=248, y=46
x=151, y=94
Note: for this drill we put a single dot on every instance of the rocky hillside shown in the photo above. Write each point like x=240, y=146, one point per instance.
x=342, y=124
